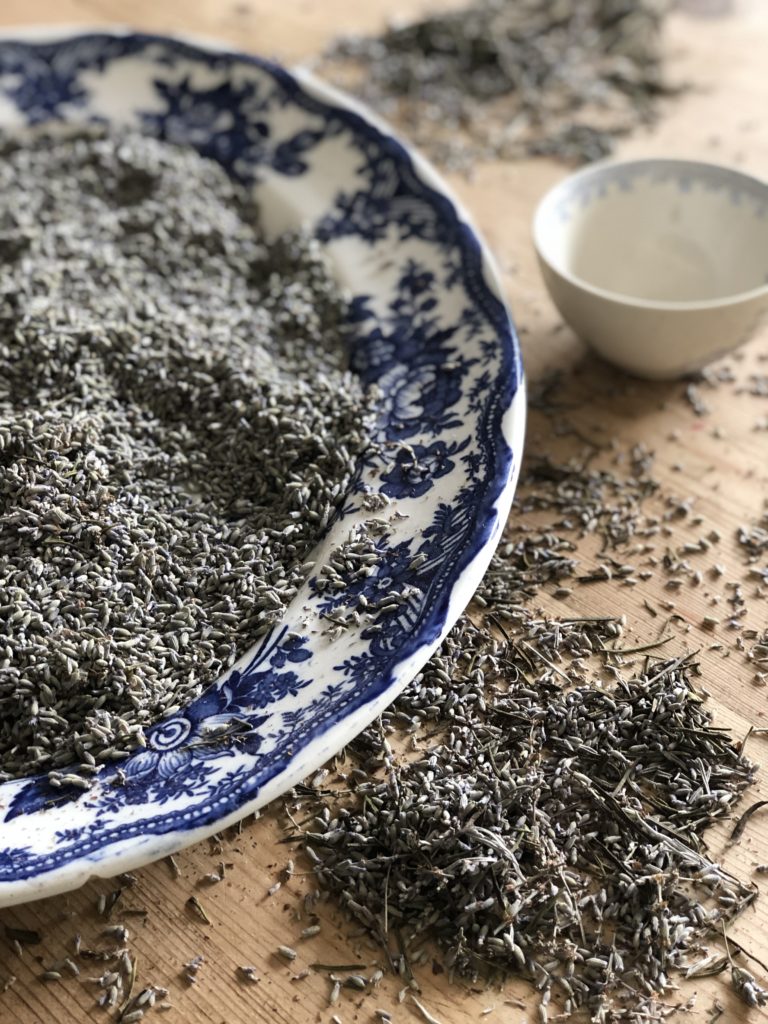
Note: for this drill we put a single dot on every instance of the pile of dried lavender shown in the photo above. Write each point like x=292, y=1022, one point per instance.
x=501, y=79
x=177, y=425
x=544, y=823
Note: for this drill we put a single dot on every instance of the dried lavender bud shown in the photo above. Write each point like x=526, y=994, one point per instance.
x=747, y=988
x=356, y=981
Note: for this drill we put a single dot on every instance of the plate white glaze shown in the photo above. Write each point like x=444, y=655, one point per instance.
x=430, y=329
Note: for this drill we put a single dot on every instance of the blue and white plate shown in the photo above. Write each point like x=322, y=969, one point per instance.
x=431, y=330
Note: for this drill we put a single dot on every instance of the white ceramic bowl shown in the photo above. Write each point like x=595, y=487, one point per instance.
x=660, y=265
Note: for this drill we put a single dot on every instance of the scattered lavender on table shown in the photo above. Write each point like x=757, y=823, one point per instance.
x=248, y=973
x=496, y=79
x=177, y=426
x=549, y=831
x=537, y=820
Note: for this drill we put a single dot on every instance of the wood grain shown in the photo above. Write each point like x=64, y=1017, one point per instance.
x=719, y=459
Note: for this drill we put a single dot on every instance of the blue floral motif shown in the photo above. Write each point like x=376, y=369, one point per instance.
x=430, y=333
x=416, y=468
x=39, y=795
x=388, y=202
x=213, y=121
x=180, y=750
x=45, y=84
x=412, y=359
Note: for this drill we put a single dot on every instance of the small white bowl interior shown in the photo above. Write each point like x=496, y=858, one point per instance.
x=658, y=231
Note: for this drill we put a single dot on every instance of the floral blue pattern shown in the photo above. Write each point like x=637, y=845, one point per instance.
x=429, y=330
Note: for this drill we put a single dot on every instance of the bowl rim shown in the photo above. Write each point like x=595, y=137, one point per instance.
x=602, y=167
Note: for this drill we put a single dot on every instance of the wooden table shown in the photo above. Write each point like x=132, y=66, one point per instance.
x=719, y=459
